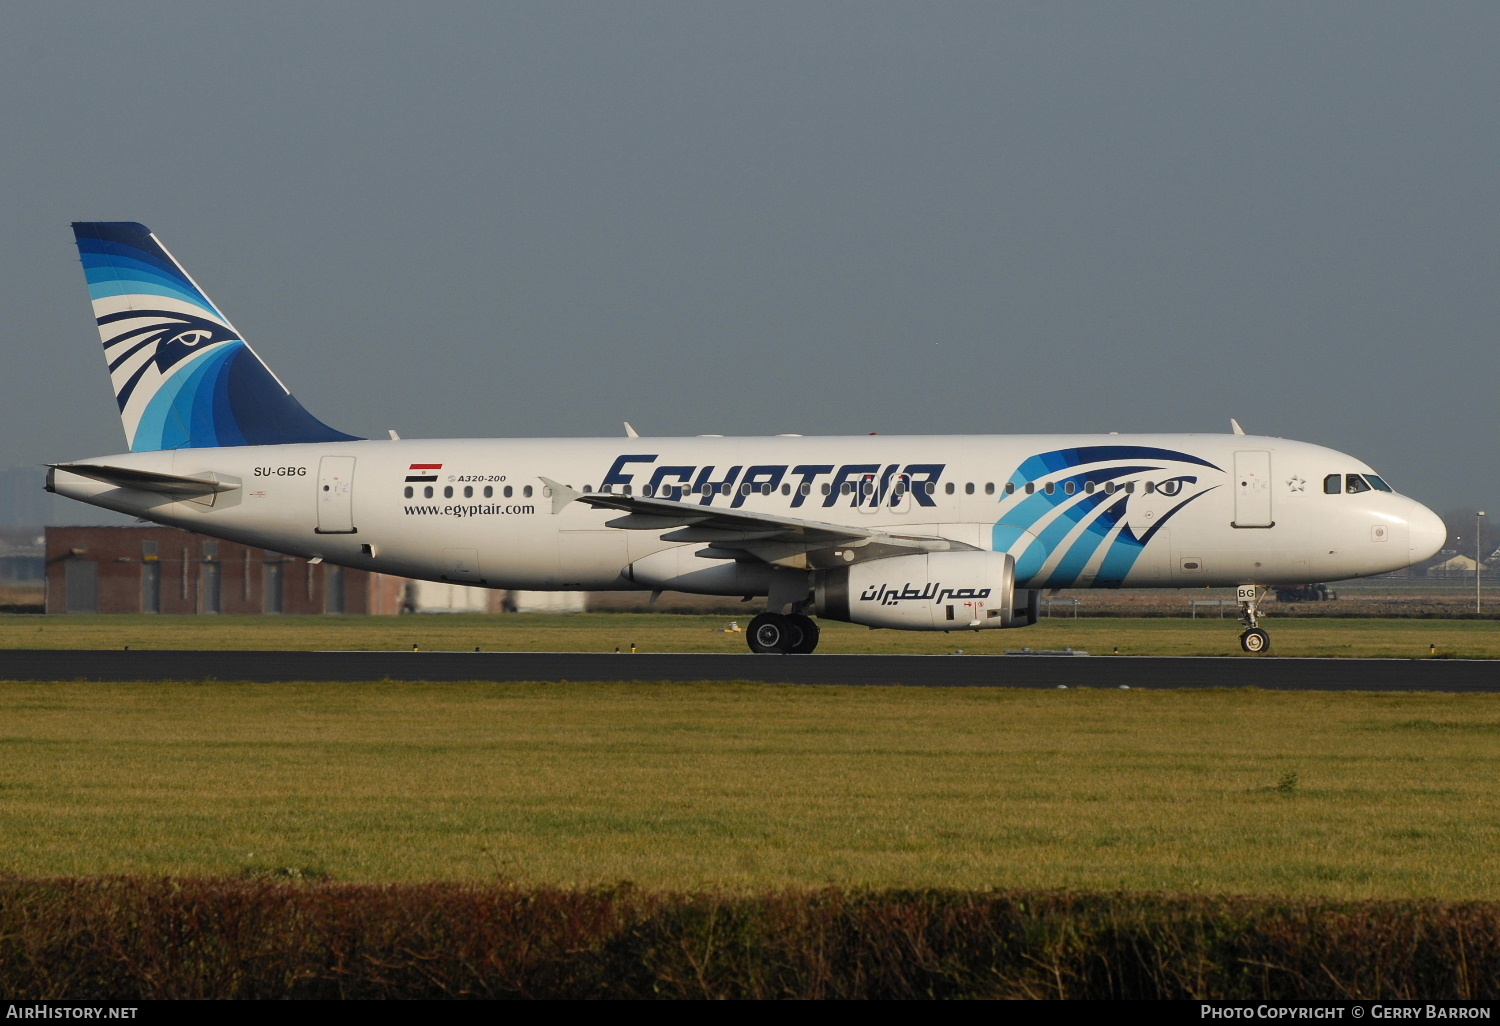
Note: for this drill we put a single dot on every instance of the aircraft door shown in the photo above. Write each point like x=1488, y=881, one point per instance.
x=1252, y=489
x=336, y=495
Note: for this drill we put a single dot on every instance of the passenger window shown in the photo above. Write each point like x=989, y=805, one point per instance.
x=409, y=491
x=508, y=492
x=1049, y=488
x=948, y=487
x=786, y=489
x=427, y=492
x=1150, y=487
x=765, y=489
x=1030, y=487
x=847, y=488
x=989, y=488
x=969, y=488
x=1109, y=488
x=1088, y=488
x=805, y=489
x=1130, y=487
x=626, y=489
x=526, y=492
x=1354, y=484
x=447, y=491
x=1010, y=488
x=469, y=491
x=488, y=491
x=1332, y=485
x=1070, y=488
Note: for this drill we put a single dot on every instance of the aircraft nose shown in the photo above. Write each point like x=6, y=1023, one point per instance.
x=1426, y=532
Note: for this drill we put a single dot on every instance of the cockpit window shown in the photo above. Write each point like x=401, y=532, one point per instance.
x=1354, y=483
x=1333, y=484
x=1380, y=485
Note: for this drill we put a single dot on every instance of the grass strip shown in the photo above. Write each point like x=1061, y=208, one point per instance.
x=130, y=938
x=750, y=788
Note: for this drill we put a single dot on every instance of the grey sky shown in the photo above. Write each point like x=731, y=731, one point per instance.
x=544, y=218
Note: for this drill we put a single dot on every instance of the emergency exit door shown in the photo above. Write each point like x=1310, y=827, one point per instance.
x=336, y=495
x=1252, y=489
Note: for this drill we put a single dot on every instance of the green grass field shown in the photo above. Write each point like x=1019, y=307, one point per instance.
x=746, y=787
x=604, y=632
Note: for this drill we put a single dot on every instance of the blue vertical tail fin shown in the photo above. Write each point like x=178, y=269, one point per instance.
x=184, y=378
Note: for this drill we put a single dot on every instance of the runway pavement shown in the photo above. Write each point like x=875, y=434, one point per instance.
x=1028, y=671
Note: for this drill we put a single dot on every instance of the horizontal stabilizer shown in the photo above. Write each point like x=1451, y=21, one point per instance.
x=150, y=481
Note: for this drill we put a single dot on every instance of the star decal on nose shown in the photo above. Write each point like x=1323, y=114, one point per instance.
x=1297, y=484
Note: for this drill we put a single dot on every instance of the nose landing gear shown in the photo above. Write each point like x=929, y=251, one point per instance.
x=791, y=634
x=1253, y=639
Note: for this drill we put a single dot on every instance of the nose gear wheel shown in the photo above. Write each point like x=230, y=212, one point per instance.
x=1255, y=641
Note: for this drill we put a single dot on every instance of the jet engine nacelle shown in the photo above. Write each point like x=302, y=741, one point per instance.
x=935, y=591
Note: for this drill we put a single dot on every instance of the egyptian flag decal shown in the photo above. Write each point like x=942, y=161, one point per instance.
x=423, y=472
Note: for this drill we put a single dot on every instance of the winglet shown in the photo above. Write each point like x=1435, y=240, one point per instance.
x=561, y=494
x=1236, y=426
x=631, y=432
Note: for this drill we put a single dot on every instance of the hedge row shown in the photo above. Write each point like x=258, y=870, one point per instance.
x=152, y=938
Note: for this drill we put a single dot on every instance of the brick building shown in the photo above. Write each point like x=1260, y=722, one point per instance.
x=165, y=570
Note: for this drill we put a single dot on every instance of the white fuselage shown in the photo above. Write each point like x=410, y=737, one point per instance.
x=1200, y=510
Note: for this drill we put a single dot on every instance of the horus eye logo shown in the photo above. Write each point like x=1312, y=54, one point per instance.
x=191, y=338
x=1173, y=485
x=1089, y=511
x=142, y=341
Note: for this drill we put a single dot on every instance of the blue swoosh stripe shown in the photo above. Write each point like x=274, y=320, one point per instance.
x=1083, y=548
x=1046, y=463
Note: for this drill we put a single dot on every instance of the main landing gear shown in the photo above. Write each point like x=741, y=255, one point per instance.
x=1253, y=640
x=791, y=634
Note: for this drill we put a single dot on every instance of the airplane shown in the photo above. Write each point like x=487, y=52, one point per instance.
x=923, y=533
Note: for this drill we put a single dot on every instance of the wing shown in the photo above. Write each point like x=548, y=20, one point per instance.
x=733, y=533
